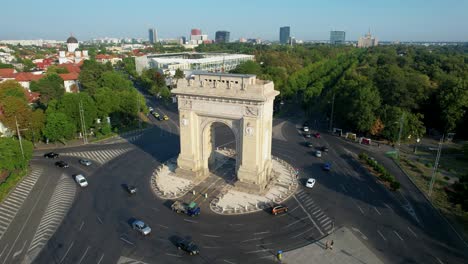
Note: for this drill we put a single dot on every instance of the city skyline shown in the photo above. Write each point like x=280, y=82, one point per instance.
x=309, y=20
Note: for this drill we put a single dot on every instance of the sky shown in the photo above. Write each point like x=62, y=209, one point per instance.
x=392, y=20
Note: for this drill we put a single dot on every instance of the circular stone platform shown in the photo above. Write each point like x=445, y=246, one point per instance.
x=230, y=201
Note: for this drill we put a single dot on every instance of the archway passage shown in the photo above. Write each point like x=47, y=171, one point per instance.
x=240, y=102
x=222, y=160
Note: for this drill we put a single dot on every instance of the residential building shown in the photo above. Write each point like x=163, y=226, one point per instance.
x=197, y=38
x=222, y=36
x=104, y=58
x=367, y=41
x=337, y=37
x=153, y=37
x=285, y=33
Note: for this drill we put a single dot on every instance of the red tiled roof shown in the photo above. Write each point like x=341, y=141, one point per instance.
x=69, y=76
x=71, y=67
x=32, y=96
x=7, y=73
x=27, y=77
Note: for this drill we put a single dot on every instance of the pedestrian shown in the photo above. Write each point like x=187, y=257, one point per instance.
x=331, y=245
x=327, y=244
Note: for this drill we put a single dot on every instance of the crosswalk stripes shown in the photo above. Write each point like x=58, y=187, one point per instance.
x=322, y=219
x=125, y=260
x=101, y=156
x=11, y=205
x=58, y=206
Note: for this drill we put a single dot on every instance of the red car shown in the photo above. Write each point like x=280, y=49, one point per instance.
x=317, y=135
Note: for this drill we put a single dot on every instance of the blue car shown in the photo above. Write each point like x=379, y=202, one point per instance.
x=326, y=166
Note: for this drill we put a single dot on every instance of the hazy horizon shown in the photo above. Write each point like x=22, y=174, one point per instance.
x=396, y=20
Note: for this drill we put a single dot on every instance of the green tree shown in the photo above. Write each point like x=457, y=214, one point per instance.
x=57, y=70
x=12, y=88
x=114, y=81
x=453, y=101
x=50, y=87
x=248, y=67
x=58, y=127
x=90, y=75
x=15, y=109
x=69, y=105
x=11, y=157
x=107, y=102
x=6, y=66
x=179, y=74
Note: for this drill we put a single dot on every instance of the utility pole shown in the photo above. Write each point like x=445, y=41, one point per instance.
x=19, y=137
x=83, y=125
x=138, y=110
x=399, y=136
x=436, y=165
x=331, y=116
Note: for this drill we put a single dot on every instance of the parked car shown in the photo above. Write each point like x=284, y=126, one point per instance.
x=81, y=180
x=325, y=149
x=131, y=189
x=156, y=114
x=85, y=162
x=160, y=118
x=165, y=117
x=326, y=166
x=306, y=129
x=150, y=109
x=279, y=209
x=306, y=124
x=318, y=154
x=141, y=227
x=51, y=155
x=317, y=135
x=61, y=164
x=310, y=145
x=307, y=135
x=190, y=209
x=188, y=246
x=310, y=183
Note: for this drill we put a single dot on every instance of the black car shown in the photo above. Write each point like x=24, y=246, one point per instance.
x=131, y=189
x=310, y=145
x=188, y=246
x=325, y=149
x=160, y=118
x=61, y=164
x=51, y=155
x=307, y=135
x=306, y=124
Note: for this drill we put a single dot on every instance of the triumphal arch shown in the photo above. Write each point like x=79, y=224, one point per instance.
x=240, y=101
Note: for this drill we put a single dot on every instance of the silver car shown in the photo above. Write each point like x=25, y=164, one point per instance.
x=85, y=162
x=141, y=227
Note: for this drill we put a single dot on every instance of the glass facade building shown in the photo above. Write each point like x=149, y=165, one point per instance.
x=337, y=37
x=284, y=35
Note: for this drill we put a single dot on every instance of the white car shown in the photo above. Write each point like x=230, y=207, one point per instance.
x=141, y=227
x=310, y=183
x=306, y=129
x=318, y=154
x=150, y=109
x=85, y=162
x=81, y=180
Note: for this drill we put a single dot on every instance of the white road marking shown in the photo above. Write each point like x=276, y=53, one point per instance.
x=440, y=261
x=310, y=217
x=126, y=241
x=227, y=261
x=372, y=190
x=209, y=235
x=163, y=226
x=19, y=251
x=342, y=187
x=1, y=254
x=259, y=233
x=81, y=226
x=304, y=232
x=99, y=219
x=398, y=235
x=173, y=255
x=191, y=221
x=381, y=235
x=101, y=259
x=66, y=253
x=295, y=222
x=82, y=257
x=252, y=239
x=360, y=209
x=388, y=206
x=290, y=211
x=260, y=245
x=260, y=250
x=377, y=210
x=412, y=232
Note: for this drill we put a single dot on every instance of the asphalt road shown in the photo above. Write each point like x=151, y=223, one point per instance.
x=399, y=227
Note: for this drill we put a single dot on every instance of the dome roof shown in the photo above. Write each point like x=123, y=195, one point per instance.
x=72, y=40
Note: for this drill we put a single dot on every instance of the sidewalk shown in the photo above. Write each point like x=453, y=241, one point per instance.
x=347, y=249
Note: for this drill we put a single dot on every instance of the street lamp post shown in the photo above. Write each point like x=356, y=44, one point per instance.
x=19, y=137
x=397, y=149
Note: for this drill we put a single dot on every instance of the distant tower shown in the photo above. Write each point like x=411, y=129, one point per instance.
x=284, y=35
x=337, y=37
x=72, y=43
x=222, y=36
x=195, y=32
x=153, y=36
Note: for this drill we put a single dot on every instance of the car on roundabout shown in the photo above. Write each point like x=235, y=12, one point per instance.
x=165, y=117
x=326, y=166
x=324, y=149
x=131, y=189
x=318, y=154
x=307, y=135
x=310, y=145
x=141, y=227
x=188, y=246
x=156, y=114
x=85, y=162
x=317, y=135
x=51, y=155
x=62, y=164
x=81, y=180
x=278, y=209
x=310, y=183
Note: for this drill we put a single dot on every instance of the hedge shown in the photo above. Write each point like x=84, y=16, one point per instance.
x=384, y=175
x=10, y=182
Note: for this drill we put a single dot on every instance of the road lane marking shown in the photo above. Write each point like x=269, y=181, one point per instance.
x=227, y=261
x=440, y=261
x=101, y=259
x=257, y=251
x=252, y=239
x=342, y=187
x=99, y=219
x=66, y=253
x=303, y=232
x=381, y=235
x=84, y=255
x=360, y=209
x=398, y=235
x=295, y=222
x=1, y=254
x=372, y=190
x=191, y=221
x=173, y=255
x=163, y=226
x=261, y=245
x=412, y=232
x=20, y=251
x=264, y=232
x=81, y=226
x=377, y=210
x=210, y=235
x=126, y=241
x=290, y=211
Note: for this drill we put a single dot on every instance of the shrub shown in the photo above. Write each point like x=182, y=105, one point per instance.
x=429, y=165
x=363, y=156
x=395, y=185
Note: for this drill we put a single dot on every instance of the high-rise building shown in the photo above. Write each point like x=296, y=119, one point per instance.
x=337, y=37
x=153, y=37
x=222, y=36
x=367, y=41
x=195, y=31
x=284, y=35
